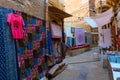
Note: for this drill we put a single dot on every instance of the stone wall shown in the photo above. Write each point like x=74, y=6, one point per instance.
x=32, y=7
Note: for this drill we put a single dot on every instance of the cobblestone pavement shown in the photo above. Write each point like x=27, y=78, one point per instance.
x=84, y=66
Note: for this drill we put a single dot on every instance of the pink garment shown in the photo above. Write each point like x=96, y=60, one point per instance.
x=16, y=22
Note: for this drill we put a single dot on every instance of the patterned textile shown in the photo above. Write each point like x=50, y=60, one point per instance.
x=48, y=43
x=31, y=49
x=8, y=67
x=56, y=31
x=79, y=36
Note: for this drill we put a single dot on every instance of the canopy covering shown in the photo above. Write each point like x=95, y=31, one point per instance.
x=99, y=19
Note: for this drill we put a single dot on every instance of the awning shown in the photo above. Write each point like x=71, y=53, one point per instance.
x=60, y=13
x=100, y=19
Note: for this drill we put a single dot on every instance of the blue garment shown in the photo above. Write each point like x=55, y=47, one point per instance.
x=48, y=43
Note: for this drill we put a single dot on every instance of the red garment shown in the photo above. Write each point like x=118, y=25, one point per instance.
x=16, y=22
x=118, y=42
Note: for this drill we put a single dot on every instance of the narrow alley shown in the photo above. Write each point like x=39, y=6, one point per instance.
x=59, y=39
x=84, y=66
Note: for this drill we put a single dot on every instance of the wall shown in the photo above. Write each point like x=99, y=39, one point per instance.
x=31, y=7
x=78, y=9
x=92, y=6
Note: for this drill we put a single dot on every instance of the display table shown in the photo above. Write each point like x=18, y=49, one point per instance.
x=104, y=57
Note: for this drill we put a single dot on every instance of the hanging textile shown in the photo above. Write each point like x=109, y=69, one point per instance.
x=101, y=38
x=31, y=49
x=68, y=31
x=71, y=41
x=105, y=38
x=79, y=36
x=99, y=19
x=56, y=30
x=48, y=43
x=16, y=22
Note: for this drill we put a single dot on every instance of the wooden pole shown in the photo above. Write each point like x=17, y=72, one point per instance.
x=46, y=14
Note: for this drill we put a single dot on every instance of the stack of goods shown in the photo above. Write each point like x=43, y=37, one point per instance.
x=114, y=67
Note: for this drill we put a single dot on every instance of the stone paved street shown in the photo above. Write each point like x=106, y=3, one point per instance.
x=83, y=67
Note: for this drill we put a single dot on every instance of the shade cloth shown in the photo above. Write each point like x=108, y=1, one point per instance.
x=99, y=19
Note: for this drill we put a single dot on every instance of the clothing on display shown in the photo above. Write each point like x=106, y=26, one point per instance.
x=16, y=22
x=48, y=43
x=101, y=38
x=105, y=38
x=57, y=51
